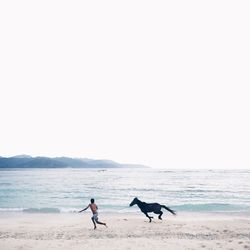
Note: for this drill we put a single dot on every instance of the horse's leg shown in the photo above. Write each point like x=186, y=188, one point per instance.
x=159, y=217
x=160, y=214
x=148, y=216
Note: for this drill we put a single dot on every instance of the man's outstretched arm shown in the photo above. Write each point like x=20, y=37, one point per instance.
x=83, y=209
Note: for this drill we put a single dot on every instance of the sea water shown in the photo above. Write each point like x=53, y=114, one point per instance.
x=70, y=189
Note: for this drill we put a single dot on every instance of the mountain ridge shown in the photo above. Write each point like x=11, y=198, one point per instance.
x=27, y=161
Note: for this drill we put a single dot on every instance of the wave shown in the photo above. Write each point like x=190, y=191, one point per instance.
x=31, y=210
x=11, y=209
x=211, y=207
x=190, y=207
x=42, y=210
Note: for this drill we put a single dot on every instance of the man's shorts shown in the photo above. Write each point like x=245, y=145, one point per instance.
x=95, y=217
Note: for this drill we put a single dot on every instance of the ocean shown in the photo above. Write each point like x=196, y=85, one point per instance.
x=70, y=189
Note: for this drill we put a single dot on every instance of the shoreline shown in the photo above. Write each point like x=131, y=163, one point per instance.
x=125, y=231
x=240, y=214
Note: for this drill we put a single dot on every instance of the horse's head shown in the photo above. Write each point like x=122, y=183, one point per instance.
x=134, y=201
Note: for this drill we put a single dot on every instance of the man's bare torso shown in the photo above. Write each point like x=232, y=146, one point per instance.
x=93, y=208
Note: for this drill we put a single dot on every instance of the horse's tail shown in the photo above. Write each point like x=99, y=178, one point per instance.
x=170, y=210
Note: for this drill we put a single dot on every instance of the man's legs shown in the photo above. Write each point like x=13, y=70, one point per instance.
x=95, y=220
x=92, y=218
x=101, y=223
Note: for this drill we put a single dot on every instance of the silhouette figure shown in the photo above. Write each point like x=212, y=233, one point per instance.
x=150, y=207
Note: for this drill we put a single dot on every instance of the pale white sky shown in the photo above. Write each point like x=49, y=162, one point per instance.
x=161, y=83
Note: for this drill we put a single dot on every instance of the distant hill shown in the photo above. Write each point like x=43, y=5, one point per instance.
x=26, y=161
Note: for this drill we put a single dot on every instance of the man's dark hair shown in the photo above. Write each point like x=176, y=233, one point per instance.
x=92, y=200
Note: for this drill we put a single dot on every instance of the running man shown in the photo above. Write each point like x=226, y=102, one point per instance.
x=94, y=209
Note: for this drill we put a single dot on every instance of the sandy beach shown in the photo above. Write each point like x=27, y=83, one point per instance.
x=125, y=231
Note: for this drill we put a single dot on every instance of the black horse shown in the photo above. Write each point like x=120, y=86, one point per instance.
x=150, y=207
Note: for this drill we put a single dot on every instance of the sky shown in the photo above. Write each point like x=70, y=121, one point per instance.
x=160, y=83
